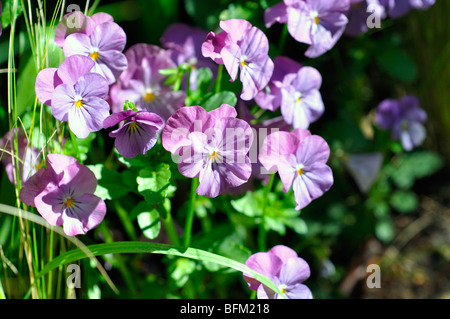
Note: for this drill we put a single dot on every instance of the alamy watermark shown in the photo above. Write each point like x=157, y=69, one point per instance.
x=74, y=279
x=374, y=279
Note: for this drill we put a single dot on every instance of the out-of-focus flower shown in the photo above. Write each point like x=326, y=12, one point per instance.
x=77, y=22
x=398, y=8
x=364, y=168
x=360, y=11
x=28, y=155
x=405, y=118
x=270, y=97
x=300, y=159
x=213, y=147
x=138, y=134
x=184, y=44
x=301, y=102
x=319, y=23
x=104, y=45
x=76, y=95
x=282, y=265
x=63, y=194
x=241, y=46
x=143, y=85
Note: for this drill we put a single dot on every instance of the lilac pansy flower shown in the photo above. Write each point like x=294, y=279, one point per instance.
x=213, y=147
x=104, y=46
x=300, y=159
x=282, y=265
x=398, y=8
x=29, y=157
x=319, y=23
x=270, y=97
x=138, y=134
x=63, y=194
x=241, y=47
x=359, y=13
x=301, y=102
x=77, y=22
x=80, y=96
x=405, y=118
x=143, y=85
x=184, y=44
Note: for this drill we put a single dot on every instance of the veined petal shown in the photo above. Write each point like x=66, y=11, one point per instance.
x=87, y=213
x=266, y=264
x=63, y=100
x=92, y=84
x=312, y=150
x=294, y=271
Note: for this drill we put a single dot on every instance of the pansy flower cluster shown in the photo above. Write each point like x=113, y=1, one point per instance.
x=99, y=86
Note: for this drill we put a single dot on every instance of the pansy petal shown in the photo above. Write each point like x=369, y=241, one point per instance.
x=87, y=213
x=294, y=271
x=46, y=82
x=265, y=264
x=283, y=252
x=73, y=67
x=299, y=291
x=63, y=101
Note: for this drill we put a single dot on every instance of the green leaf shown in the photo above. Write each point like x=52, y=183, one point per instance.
x=148, y=219
x=109, y=186
x=412, y=166
x=153, y=248
x=397, y=63
x=7, y=14
x=212, y=102
x=384, y=230
x=154, y=183
x=180, y=270
x=404, y=201
x=247, y=205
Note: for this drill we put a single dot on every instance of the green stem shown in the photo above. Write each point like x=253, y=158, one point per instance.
x=190, y=214
x=262, y=234
x=219, y=78
x=166, y=219
x=283, y=38
x=124, y=218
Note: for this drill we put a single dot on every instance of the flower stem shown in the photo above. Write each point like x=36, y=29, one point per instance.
x=283, y=38
x=262, y=234
x=166, y=219
x=190, y=214
x=219, y=78
x=127, y=224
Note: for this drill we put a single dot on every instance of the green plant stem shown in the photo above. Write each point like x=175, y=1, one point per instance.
x=190, y=214
x=166, y=219
x=219, y=78
x=283, y=39
x=262, y=234
x=127, y=224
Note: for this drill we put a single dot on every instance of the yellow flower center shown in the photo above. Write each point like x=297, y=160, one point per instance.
x=94, y=55
x=316, y=20
x=79, y=103
x=149, y=96
x=133, y=125
x=300, y=172
x=244, y=63
x=214, y=155
x=69, y=202
x=283, y=290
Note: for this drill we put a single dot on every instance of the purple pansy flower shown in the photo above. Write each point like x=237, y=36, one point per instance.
x=77, y=22
x=29, y=157
x=282, y=265
x=75, y=94
x=213, y=147
x=300, y=159
x=243, y=47
x=360, y=11
x=398, y=8
x=319, y=23
x=270, y=97
x=405, y=118
x=301, y=102
x=138, y=134
x=104, y=46
x=63, y=195
x=143, y=85
x=184, y=44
